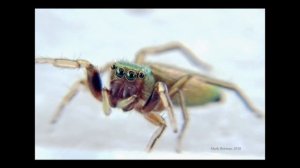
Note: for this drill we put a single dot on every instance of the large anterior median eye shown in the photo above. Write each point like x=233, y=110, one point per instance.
x=120, y=72
x=130, y=75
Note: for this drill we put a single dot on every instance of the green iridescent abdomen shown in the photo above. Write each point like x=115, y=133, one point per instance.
x=200, y=95
x=196, y=92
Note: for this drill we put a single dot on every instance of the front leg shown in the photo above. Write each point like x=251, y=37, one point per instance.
x=64, y=63
x=105, y=101
x=159, y=95
x=157, y=120
x=92, y=82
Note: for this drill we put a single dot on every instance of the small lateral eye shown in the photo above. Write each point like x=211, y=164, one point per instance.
x=120, y=72
x=131, y=75
x=113, y=66
x=141, y=75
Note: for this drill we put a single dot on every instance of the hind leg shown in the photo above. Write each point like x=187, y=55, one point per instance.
x=233, y=87
x=188, y=53
x=186, y=119
x=220, y=83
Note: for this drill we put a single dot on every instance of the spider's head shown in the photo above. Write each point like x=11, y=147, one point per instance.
x=128, y=79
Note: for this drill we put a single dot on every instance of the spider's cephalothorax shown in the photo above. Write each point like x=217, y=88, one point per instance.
x=127, y=80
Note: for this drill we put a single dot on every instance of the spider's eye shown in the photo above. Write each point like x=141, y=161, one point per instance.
x=113, y=66
x=131, y=75
x=141, y=75
x=120, y=72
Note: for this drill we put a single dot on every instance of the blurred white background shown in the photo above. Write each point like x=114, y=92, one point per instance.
x=231, y=40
